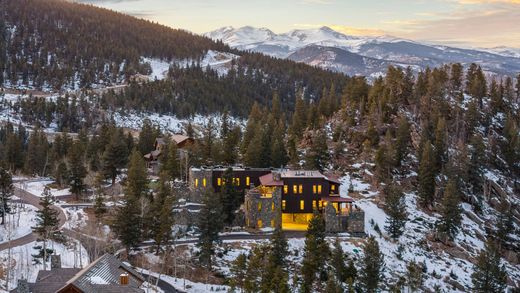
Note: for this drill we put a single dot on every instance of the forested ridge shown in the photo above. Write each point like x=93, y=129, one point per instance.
x=55, y=45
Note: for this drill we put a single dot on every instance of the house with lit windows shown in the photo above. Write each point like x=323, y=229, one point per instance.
x=286, y=198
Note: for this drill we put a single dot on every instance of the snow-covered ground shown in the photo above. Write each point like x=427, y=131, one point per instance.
x=37, y=186
x=22, y=265
x=76, y=218
x=18, y=223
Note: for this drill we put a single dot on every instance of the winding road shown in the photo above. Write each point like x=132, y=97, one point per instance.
x=33, y=200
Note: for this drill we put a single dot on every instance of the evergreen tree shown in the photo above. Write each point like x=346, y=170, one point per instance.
x=256, y=154
x=47, y=222
x=396, y=210
x=316, y=254
x=332, y=285
x=504, y=223
x=162, y=220
x=477, y=159
x=274, y=273
x=278, y=150
x=114, y=157
x=147, y=137
x=210, y=224
x=100, y=208
x=239, y=269
x=402, y=140
x=426, y=176
x=170, y=162
x=450, y=211
x=317, y=156
x=231, y=196
x=338, y=260
x=414, y=276
x=440, y=144
x=489, y=276
x=372, y=266
x=128, y=222
x=6, y=191
x=230, y=145
x=77, y=171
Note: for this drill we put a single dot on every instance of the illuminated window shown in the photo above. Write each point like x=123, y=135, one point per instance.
x=259, y=206
x=259, y=223
x=333, y=187
x=248, y=182
x=320, y=203
x=238, y=181
x=314, y=189
x=319, y=188
x=272, y=223
x=295, y=189
x=283, y=205
x=302, y=205
x=314, y=204
x=204, y=182
x=335, y=206
x=219, y=181
x=300, y=189
x=285, y=189
x=196, y=182
x=272, y=206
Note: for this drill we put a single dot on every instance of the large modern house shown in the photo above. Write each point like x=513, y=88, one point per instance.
x=285, y=198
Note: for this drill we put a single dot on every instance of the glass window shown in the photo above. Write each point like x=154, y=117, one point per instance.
x=248, y=181
x=314, y=204
x=283, y=205
x=272, y=223
x=272, y=206
x=204, y=182
x=259, y=223
x=196, y=182
x=320, y=203
x=333, y=187
x=319, y=188
x=302, y=205
x=259, y=206
x=314, y=189
x=300, y=189
x=219, y=181
x=285, y=189
x=295, y=189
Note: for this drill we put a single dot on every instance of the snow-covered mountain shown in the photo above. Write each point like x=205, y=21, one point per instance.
x=328, y=48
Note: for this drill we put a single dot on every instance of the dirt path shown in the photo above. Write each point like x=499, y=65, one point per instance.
x=33, y=200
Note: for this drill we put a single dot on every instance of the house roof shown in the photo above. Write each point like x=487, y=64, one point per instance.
x=51, y=281
x=179, y=138
x=268, y=180
x=103, y=275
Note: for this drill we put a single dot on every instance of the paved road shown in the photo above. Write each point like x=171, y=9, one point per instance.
x=33, y=200
x=165, y=286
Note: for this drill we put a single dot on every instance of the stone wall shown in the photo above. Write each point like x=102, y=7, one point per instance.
x=200, y=175
x=264, y=211
x=356, y=222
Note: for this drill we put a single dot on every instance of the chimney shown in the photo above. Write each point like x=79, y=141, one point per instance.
x=23, y=286
x=55, y=261
x=277, y=176
x=123, y=279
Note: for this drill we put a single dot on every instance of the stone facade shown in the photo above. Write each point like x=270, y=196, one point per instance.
x=353, y=222
x=200, y=179
x=262, y=212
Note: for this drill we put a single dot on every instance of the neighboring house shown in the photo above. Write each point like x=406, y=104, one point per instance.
x=286, y=198
x=160, y=146
x=107, y=274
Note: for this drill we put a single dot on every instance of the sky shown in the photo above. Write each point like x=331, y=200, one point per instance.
x=464, y=23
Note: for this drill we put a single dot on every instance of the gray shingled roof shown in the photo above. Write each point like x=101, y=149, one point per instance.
x=53, y=280
x=103, y=276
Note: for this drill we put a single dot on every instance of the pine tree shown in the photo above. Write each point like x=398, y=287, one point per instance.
x=147, y=137
x=316, y=254
x=372, y=266
x=402, y=140
x=278, y=150
x=332, y=285
x=129, y=217
x=440, y=144
x=450, y=211
x=100, y=208
x=489, y=276
x=210, y=224
x=6, y=191
x=317, y=156
x=77, y=171
x=162, y=220
x=114, y=157
x=414, y=276
x=47, y=222
x=278, y=248
x=338, y=261
x=426, y=176
x=170, y=162
x=231, y=196
x=477, y=159
x=504, y=223
x=239, y=269
x=396, y=210
x=274, y=273
x=231, y=146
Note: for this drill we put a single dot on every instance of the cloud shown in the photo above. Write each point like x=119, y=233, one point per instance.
x=326, y=2
x=514, y=2
x=103, y=1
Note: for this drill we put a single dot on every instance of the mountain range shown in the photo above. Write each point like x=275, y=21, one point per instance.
x=357, y=55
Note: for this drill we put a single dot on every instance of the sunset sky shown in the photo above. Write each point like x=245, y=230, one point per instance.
x=467, y=23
